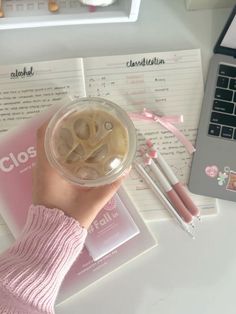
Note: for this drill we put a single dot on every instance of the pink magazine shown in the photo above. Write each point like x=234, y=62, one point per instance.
x=120, y=239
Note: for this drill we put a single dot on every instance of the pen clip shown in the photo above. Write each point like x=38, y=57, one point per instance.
x=147, y=152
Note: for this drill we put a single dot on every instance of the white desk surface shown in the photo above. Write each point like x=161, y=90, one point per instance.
x=180, y=276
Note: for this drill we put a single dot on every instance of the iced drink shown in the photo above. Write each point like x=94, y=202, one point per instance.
x=92, y=144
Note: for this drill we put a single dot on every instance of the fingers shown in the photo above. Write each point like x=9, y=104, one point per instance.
x=96, y=199
x=41, y=134
x=104, y=193
x=41, y=156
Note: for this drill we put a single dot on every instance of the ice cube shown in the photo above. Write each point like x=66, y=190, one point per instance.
x=81, y=129
x=99, y=154
x=63, y=142
x=66, y=137
x=87, y=173
x=76, y=155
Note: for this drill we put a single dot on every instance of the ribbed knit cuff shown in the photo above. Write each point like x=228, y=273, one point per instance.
x=33, y=269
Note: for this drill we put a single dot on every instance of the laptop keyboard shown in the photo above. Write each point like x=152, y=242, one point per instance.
x=223, y=116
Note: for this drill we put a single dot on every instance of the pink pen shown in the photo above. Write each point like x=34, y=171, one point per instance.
x=163, y=199
x=177, y=185
x=171, y=193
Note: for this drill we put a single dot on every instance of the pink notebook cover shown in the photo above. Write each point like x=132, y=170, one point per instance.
x=17, y=157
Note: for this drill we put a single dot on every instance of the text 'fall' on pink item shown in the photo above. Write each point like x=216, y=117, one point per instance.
x=32, y=270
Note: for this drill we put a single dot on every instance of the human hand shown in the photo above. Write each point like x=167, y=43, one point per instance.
x=52, y=191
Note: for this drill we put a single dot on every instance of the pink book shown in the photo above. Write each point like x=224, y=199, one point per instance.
x=117, y=235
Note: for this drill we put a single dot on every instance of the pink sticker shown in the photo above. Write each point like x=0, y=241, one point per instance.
x=211, y=171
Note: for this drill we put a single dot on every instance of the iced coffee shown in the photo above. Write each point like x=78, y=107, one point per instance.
x=92, y=142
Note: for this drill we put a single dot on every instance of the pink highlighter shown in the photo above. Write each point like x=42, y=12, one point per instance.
x=171, y=193
x=178, y=187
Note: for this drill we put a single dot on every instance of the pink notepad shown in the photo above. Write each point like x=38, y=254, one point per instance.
x=122, y=234
x=112, y=227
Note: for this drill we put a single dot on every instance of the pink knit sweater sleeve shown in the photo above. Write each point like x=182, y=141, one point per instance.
x=32, y=270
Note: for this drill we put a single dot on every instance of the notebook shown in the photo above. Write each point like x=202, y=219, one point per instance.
x=168, y=83
x=213, y=171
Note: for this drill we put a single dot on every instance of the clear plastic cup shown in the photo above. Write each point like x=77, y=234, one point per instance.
x=90, y=142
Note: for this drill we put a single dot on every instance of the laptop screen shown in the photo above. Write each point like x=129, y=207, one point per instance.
x=229, y=39
x=226, y=43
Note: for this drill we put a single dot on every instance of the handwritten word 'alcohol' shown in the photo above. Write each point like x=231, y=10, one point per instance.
x=22, y=73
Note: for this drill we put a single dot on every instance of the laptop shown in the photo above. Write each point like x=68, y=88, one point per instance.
x=213, y=169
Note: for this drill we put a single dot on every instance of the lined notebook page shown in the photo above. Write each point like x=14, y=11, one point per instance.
x=169, y=83
x=27, y=89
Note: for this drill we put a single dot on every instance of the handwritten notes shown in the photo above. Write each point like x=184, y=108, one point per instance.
x=30, y=88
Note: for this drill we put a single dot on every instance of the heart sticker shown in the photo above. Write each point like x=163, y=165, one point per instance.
x=211, y=171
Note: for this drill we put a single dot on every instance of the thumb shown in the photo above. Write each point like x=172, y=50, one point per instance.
x=106, y=192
